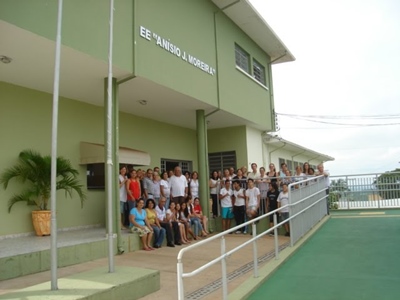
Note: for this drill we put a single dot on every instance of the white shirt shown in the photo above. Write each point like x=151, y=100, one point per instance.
x=214, y=190
x=123, y=194
x=252, y=195
x=194, y=188
x=166, y=189
x=238, y=200
x=178, y=185
x=283, y=199
x=254, y=176
x=161, y=214
x=226, y=201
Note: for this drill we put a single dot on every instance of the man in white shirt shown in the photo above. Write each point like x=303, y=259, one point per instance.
x=179, y=186
x=254, y=173
x=162, y=218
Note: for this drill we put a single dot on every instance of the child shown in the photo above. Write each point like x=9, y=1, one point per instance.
x=252, y=200
x=226, y=205
x=239, y=208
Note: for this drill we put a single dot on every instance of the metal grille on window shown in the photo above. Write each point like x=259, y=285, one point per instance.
x=222, y=160
x=258, y=72
x=242, y=59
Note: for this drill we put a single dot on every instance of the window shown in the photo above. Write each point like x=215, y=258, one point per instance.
x=242, y=59
x=222, y=160
x=95, y=176
x=170, y=164
x=258, y=72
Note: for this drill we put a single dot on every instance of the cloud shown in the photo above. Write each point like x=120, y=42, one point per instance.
x=347, y=63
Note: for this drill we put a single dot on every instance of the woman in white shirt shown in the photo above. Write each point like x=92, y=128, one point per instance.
x=165, y=188
x=194, y=185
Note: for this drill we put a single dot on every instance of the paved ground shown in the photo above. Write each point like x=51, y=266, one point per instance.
x=164, y=259
x=355, y=255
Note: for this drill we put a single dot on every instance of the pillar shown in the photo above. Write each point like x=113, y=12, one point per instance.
x=202, y=158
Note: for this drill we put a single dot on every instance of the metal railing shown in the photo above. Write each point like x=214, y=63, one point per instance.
x=365, y=191
x=307, y=206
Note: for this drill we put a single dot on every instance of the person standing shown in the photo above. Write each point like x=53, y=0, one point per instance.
x=327, y=182
x=148, y=185
x=156, y=187
x=214, y=185
x=133, y=189
x=272, y=204
x=226, y=205
x=262, y=184
x=239, y=207
x=194, y=185
x=254, y=172
x=179, y=186
x=123, y=195
x=283, y=200
x=164, y=187
x=252, y=200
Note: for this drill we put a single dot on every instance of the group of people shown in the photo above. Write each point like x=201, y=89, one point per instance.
x=163, y=207
x=168, y=205
x=245, y=195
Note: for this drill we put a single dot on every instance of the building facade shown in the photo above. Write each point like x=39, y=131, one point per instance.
x=191, y=78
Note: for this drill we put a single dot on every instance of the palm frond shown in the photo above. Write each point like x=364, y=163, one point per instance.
x=36, y=169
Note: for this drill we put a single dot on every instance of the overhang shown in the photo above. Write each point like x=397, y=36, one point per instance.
x=92, y=153
x=280, y=143
x=244, y=15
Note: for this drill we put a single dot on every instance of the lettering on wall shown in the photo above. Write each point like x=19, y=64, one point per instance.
x=170, y=47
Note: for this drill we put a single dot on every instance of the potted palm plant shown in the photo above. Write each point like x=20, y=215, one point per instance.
x=34, y=171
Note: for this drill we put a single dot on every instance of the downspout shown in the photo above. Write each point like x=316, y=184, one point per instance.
x=271, y=89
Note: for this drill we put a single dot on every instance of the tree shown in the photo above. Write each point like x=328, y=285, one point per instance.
x=388, y=184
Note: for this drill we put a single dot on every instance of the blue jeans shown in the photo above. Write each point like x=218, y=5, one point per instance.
x=159, y=235
x=197, y=225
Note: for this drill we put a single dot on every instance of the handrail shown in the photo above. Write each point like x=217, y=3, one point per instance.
x=224, y=255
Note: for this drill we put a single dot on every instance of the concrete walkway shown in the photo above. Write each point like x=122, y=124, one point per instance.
x=355, y=255
x=164, y=259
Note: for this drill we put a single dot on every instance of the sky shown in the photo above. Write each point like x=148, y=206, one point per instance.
x=347, y=64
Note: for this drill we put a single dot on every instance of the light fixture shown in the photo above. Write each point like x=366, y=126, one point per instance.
x=143, y=102
x=5, y=59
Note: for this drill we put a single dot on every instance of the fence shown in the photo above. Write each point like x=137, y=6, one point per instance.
x=307, y=206
x=365, y=191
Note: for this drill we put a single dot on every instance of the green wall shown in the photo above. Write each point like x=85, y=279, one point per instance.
x=190, y=26
x=84, y=27
x=200, y=28
x=25, y=122
x=229, y=139
x=240, y=94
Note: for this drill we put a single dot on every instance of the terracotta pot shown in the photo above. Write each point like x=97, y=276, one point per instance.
x=41, y=222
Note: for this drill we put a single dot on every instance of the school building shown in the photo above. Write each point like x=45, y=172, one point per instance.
x=192, y=82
